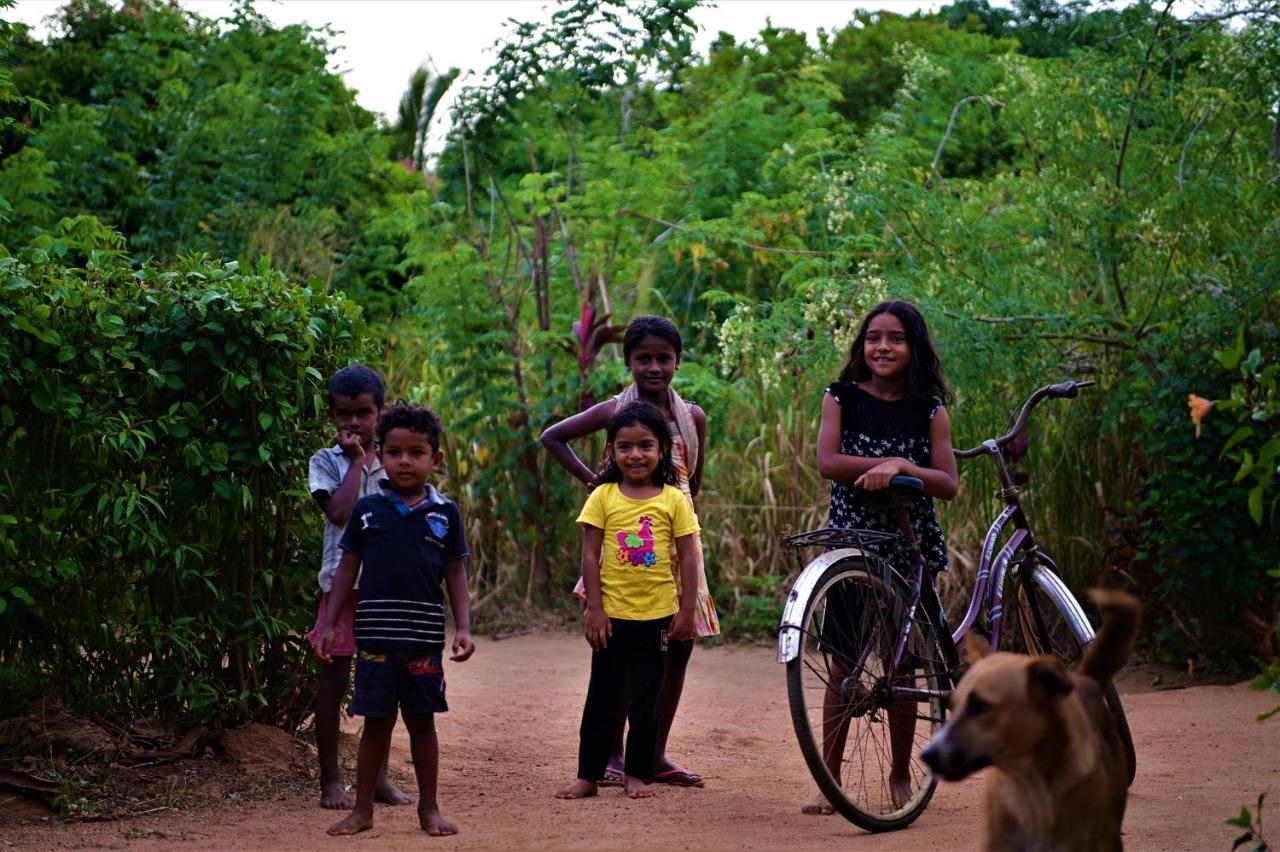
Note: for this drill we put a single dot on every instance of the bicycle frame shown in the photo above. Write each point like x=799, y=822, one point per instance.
x=992, y=570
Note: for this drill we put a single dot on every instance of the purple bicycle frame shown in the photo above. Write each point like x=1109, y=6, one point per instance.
x=989, y=588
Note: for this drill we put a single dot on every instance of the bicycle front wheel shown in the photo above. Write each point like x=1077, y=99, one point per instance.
x=1045, y=618
x=862, y=744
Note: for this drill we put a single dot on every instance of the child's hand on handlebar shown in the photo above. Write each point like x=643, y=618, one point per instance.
x=878, y=478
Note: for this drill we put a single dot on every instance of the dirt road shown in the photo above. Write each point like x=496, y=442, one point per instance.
x=511, y=739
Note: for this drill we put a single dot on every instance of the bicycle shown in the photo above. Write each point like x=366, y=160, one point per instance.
x=867, y=646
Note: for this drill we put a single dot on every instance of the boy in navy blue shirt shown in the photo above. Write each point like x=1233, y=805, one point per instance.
x=410, y=540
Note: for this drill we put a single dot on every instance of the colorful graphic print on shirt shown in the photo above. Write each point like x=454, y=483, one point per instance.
x=636, y=548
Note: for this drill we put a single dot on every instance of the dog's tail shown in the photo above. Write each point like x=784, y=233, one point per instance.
x=1110, y=649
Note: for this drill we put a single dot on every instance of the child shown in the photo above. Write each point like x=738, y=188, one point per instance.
x=404, y=542
x=634, y=516
x=885, y=417
x=339, y=476
x=651, y=349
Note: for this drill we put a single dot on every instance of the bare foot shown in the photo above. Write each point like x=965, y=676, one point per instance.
x=579, y=789
x=334, y=797
x=900, y=791
x=817, y=806
x=356, y=822
x=389, y=794
x=637, y=789
x=434, y=824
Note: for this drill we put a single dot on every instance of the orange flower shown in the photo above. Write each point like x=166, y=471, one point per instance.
x=1199, y=408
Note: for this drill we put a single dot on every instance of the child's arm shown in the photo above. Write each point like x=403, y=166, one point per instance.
x=598, y=629
x=455, y=579
x=556, y=439
x=700, y=426
x=343, y=579
x=337, y=506
x=873, y=473
x=682, y=624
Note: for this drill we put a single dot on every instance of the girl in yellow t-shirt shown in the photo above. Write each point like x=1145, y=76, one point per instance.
x=628, y=524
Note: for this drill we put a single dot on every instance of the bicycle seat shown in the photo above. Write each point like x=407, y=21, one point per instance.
x=902, y=490
x=906, y=486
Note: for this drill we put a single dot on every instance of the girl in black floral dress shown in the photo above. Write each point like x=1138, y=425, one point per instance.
x=886, y=416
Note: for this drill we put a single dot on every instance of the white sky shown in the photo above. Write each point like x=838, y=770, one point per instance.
x=381, y=42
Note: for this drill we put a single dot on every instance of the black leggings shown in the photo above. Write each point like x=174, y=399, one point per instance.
x=640, y=649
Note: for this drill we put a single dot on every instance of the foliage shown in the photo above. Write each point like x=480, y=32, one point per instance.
x=1251, y=822
x=1254, y=445
x=158, y=544
x=417, y=109
x=188, y=135
x=1060, y=200
x=1066, y=190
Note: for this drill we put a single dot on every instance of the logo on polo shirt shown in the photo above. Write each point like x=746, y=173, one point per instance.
x=364, y=520
x=439, y=526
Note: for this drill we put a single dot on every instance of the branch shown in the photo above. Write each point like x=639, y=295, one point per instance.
x=951, y=123
x=1182, y=160
x=896, y=238
x=743, y=243
x=1018, y=319
x=1075, y=338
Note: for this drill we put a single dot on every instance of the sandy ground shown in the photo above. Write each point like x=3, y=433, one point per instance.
x=511, y=739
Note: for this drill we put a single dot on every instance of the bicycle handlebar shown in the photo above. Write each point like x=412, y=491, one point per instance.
x=1062, y=390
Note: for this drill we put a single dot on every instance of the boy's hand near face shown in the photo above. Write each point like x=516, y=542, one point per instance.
x=463, y=646
x=351, y=445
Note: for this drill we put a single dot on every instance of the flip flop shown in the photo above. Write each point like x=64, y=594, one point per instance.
x=612, y=778
x=678, y=777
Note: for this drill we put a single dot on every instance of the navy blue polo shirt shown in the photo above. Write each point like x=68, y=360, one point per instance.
x=403, y=553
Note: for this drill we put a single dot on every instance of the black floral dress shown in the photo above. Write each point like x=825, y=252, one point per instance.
x=872, y=427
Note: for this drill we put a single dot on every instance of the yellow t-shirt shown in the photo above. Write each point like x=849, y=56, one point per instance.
x=635, y=566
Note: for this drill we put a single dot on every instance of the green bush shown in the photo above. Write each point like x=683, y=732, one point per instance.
x=156, y=544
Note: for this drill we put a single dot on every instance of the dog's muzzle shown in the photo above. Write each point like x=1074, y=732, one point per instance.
x=949, y=760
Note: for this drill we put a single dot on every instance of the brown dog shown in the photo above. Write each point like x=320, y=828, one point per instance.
x=1059, y=779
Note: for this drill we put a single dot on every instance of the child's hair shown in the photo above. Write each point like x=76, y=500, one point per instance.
x=415, y=418
x=924, y=371
x=648, y=326
x=641, y=413
x=354, y=380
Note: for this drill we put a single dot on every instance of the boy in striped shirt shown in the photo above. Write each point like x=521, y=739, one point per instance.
x=411, y=542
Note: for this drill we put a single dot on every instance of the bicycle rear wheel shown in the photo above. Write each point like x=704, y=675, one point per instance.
x=858, y=741
x=1041, y=616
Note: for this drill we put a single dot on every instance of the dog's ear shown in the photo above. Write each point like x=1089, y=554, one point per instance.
x=976, y=645
x=1047, y=680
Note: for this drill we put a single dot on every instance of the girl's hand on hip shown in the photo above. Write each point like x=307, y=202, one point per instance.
x=598, y=629
x=877, y=479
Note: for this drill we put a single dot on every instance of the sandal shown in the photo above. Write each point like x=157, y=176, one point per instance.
x=678, y=777
x=612, y=778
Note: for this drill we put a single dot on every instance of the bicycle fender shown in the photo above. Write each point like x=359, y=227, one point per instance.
x=798, y=599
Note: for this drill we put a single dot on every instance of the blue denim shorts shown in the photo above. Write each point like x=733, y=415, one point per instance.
x=408, y=680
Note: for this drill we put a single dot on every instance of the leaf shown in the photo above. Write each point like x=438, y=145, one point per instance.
x=1230, y=358
x=265, y=419
x=22, y=595
x=1237, y=436
x=1255, y=504
x=1243, y=820
x=1242, y=839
